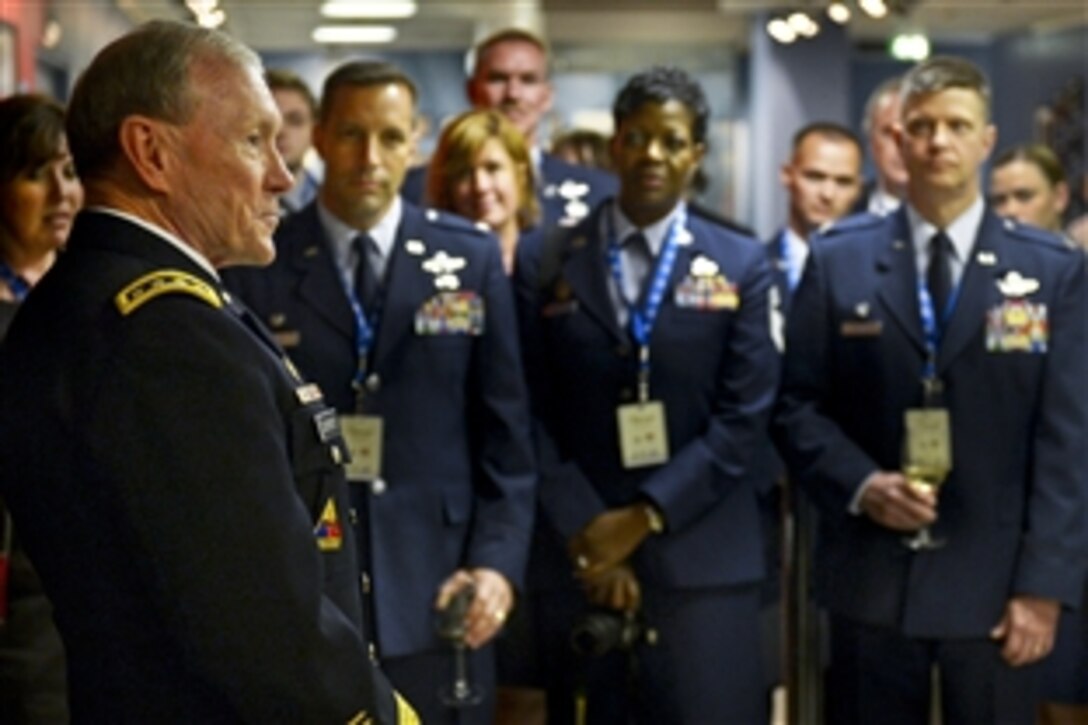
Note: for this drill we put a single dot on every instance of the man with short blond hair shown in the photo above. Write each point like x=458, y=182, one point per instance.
x=940, y=345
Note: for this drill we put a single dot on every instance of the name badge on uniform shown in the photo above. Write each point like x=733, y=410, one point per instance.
x=451, y=313
x=643, y=438
x=363, y=435
x=928, y=444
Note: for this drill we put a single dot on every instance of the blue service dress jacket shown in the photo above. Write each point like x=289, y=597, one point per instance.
x=712, y=365
x=458, y=473
x=177, y=487
x=567, y=192
x=1013, y=363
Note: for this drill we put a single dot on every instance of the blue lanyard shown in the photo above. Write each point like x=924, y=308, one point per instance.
x=19, y=287
x=365, y=328
x=931, y=330
x=641, y=322
x=793, y=274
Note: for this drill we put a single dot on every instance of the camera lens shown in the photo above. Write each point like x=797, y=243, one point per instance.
x=601, y=631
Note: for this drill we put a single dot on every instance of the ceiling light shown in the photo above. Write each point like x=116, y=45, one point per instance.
x=781, y=31
x=369, y=9
x=354, y=34
x=803, y=25
x=910, y=46
x=838, y=12
x=874, y=8
x=201, y=7
x=212, y=18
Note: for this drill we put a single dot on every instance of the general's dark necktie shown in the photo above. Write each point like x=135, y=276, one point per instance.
x=939, y=274
x=367, y=285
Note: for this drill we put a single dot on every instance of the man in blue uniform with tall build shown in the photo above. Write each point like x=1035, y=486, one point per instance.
x=510, y=74
x=406, y=321
x=940, y=343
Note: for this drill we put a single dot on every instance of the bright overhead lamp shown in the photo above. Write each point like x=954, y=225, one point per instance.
x=803, y=25
x=354, y=34
x=874, y=8
x=781, y=31
x=385, y=9
x=910, y=46
x=839, y=12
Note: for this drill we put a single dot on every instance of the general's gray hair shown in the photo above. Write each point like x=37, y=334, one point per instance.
x=145, y=72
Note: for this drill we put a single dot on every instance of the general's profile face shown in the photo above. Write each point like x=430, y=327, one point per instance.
x=512, y=78
x=297, y=130
x=38, y=206
x=229, y=174
x=1020, y=190
x=945, y=138
x=489, y=190
x=823, y=180
x=656, y=157
x=366, y=140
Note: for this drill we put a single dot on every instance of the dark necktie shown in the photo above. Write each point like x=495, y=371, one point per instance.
x=939, y=274
x=367, y=285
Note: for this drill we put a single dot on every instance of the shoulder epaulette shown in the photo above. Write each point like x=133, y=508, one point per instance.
x=713, y=217
x=852, y=223
x=1028, y=233
x=163, y=282
x=454, y=222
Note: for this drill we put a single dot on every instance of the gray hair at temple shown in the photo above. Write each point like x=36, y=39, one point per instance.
x=145, y=72
x=891, y=86
x=941, y=73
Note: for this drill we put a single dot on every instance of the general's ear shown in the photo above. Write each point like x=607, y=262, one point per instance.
x=148, y=146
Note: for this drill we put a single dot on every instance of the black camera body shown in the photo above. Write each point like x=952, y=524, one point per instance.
x=602, y=630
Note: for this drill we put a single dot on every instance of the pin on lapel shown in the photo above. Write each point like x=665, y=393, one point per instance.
x=442, y=263
x=447, y=282
x=861, y=309
x=415, y=247
x=684, y=238
x=899, y=245
x=703, y=266
x=986, y=258
x=571, y=189
x=1013, y=284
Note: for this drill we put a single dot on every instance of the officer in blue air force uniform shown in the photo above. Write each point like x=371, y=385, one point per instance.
x=409, y=327
x=945, y=338
x=177, y=485
x=649, y=405
x=510, y=74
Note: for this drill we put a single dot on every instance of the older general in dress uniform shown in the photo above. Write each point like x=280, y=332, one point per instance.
x=652, y=372
x=176, y=484
x=940, y=344
x=406, y=320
